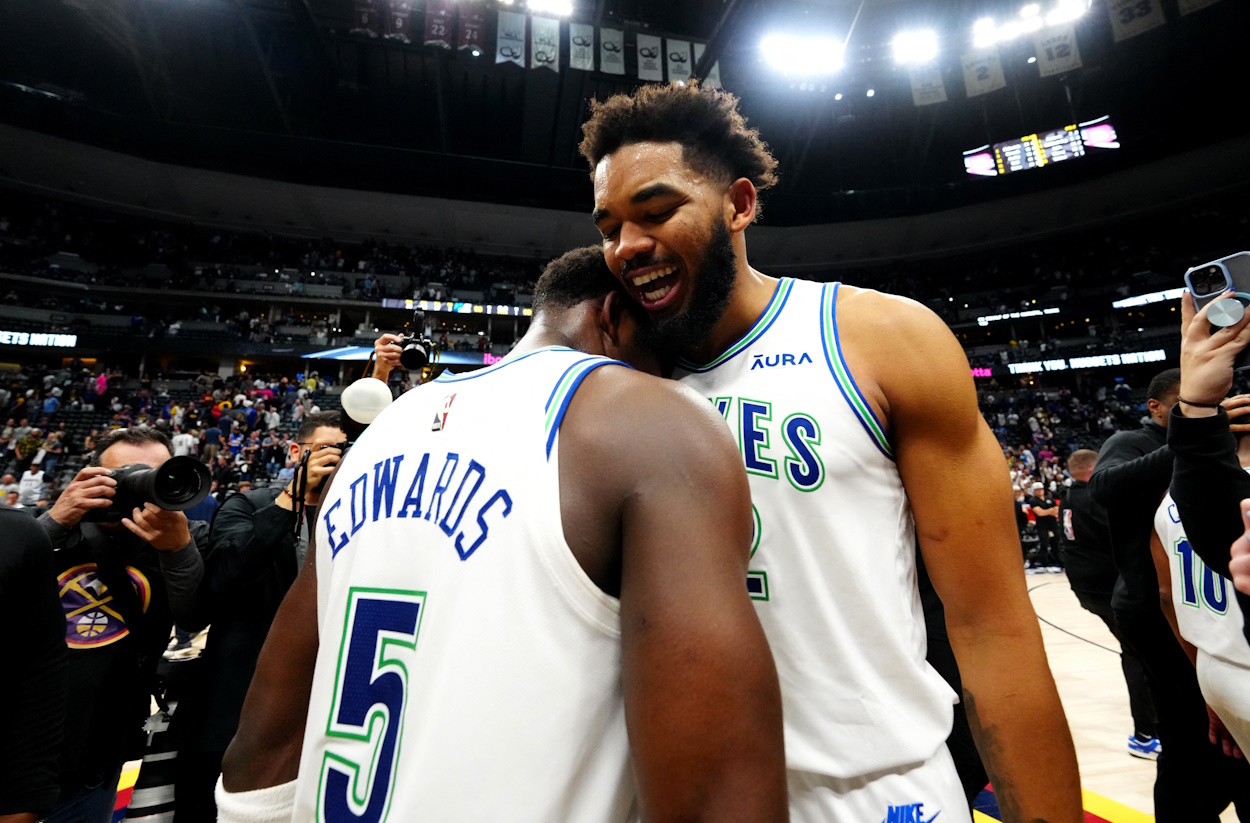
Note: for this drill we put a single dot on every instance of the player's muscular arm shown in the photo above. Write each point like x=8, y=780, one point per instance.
x=702, y=700
x=946, y=452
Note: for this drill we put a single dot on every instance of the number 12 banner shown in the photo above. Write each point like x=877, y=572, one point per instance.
x=1057, y=51
x=1130, y=18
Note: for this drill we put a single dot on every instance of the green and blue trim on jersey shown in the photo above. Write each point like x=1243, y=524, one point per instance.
x=762, y=324
x=563, y=392
x=842, y=374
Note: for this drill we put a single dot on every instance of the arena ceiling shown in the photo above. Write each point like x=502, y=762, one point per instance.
x=281, y=89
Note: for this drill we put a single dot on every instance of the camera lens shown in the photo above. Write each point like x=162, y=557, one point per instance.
x=180, y=483
x=1209, y=280
x=414, y=357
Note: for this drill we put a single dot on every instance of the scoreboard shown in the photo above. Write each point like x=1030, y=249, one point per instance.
x=1036, y=150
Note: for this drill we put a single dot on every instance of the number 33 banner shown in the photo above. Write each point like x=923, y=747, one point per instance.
x=1130, y=18
x=1056, y=50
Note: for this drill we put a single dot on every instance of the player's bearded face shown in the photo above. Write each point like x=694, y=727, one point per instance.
x=712, y=284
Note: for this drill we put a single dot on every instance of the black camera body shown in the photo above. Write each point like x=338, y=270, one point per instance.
x=416, y=349
x=178, y=484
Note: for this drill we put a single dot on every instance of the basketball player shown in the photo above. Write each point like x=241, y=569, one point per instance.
x=1207, y=621
x=524, y=578
x=857, y=420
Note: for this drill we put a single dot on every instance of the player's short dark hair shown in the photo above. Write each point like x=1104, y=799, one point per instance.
x=311, y=422
x=135, y=436
x=1163, y=384
x=713, y=134
x=577, y=275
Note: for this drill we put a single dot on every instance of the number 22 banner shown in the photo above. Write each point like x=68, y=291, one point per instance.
x=1056, y=49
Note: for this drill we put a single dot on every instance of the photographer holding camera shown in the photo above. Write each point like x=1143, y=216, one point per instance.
x=125, y=576
x=254, y=559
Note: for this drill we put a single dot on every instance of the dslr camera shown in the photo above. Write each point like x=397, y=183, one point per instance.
x=176, y=485
x=416, y=349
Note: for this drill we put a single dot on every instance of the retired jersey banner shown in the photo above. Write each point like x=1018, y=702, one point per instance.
x=367, y=17
x=927, y=87
x=545, y=43
x=612, y=51
x=983, y=71
x=1191, y=6
x=438, y=23
x=510, y=38
x=472, y=33
x=581, y=47
x=677, y=53
x=1130, y=18
x=712, y=81
x=399, y=21
x=650, y=66
x=1056, y=50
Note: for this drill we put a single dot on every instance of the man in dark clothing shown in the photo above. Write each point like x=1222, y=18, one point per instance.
x=1092, y=575
x=1194, y=781
x=122, y=586
x=1046, y=514
x=254, y=559
x=33, y=688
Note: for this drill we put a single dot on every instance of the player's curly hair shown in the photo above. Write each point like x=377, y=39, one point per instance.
x=714, y=135
x=577, y=275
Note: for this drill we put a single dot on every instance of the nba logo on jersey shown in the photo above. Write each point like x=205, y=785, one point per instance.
x=440, y=419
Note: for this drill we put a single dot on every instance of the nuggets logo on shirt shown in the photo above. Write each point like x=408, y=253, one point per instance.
x=91, y=620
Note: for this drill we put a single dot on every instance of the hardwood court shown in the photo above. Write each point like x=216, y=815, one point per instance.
x=1087, y=670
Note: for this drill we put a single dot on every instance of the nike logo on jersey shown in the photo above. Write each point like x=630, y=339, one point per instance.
x=769, y=361
x=908, y=813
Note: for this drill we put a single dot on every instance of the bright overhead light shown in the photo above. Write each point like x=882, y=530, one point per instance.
x=838, y=96
x=871, y=92
x=1032, y=59
x=984, y=33
x=915, y=46
x=1031, y=10
x=803, y=55
x=563, y=8
x=1066, y=11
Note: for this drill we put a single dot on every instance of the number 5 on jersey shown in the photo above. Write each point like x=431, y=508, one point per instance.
x=366, y=721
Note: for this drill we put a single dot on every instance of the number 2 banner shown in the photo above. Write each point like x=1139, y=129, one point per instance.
x=1130, y=18
x=1057, y=51
x=983, y=71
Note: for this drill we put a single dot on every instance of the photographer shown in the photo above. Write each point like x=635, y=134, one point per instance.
x=123, y=584
x=1209, y=481
x=254, y=559
x=386, y=350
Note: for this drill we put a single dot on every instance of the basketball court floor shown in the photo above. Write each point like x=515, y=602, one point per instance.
x=1084, y=658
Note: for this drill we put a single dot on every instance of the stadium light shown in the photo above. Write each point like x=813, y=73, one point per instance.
x=984, y=33
x=562, y=8
x=838, y=96
x=912, y=47
x=803, y=55
x=1031, y=10
x=1066, y=11
x=871, y=92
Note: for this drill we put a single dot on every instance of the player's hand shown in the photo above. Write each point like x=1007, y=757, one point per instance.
x=91, y=488
x=1239, y=554
x=164, y=531
x=1207, y=357
x=386, y=351
x=1238, y=407
x=321, y=463
x=1219, y=736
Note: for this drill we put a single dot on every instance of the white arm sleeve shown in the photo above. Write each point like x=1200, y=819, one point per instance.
x=272, y=805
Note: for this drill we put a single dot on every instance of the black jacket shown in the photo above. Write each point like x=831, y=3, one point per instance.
x=1086, y=544
x=1130, y=478
x=1207, y=486
x=250, y=565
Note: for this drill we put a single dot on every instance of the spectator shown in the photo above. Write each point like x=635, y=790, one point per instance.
x=30, y=487
x=1046, y=516
x=184, y=443
x=115, y=642
x=212, y=442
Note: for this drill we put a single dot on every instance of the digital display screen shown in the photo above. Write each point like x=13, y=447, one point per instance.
x=1036, y=150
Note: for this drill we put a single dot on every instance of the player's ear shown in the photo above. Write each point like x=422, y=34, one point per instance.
x=742, y=204
x=610, y=315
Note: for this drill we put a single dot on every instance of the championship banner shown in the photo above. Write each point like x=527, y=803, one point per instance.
x=510, y=38
x=438, y=23
x=472, y=28
x=712, y=81
x=677, y=53
x=983, y=71
x=649, y=65
x=612, y=51
x=545, y=43
x=399, y=21
x=927, y=87
x=1056, y=49
x=581, y=47
x=367, y=18
x=1130, y=18
x=1191, y=6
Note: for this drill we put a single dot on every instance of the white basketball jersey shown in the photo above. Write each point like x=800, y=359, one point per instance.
x=468, y=669
x=1208, y=616
x=833, y=568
